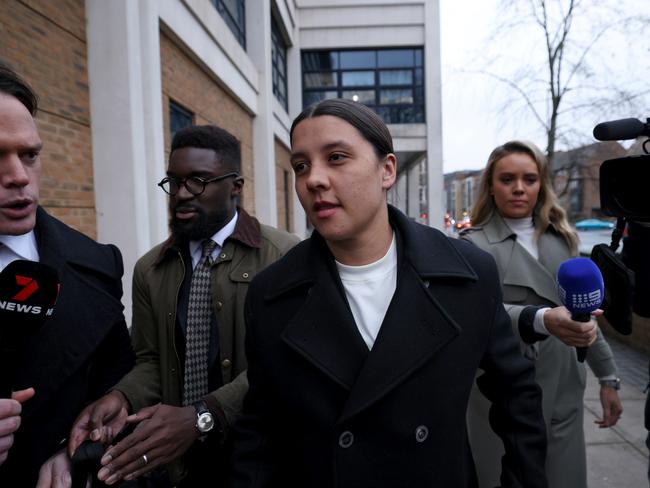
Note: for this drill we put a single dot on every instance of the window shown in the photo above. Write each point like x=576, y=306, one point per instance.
x=179, y=118
x=390, y=81
x=234, y=13
x=279, y=64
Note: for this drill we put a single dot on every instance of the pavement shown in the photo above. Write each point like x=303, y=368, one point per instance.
x=618, y=457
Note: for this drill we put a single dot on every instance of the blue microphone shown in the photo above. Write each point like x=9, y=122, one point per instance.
x=581, y=290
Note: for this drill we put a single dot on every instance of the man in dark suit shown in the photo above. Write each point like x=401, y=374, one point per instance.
x=84, y=348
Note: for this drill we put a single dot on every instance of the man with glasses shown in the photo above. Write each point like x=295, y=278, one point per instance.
x=188, y=324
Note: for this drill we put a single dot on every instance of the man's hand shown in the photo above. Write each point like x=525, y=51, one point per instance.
x=10, y=419
x=612, y=408
x=100, y=421
x=163, y=434
x=580, y=334
x=55, y=472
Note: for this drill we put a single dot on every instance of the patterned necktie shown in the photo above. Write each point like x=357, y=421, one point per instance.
x=197, y=336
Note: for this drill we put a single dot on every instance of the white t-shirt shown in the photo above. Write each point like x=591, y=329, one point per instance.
x=369, y=290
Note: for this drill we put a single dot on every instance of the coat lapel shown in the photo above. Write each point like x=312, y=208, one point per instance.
x=522, y=269
x=416, y=326
x=82, y=317
x=414, y=329
x=323, y=331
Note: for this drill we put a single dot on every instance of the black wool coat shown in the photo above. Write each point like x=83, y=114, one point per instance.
x=323, y=411
x=77, y=355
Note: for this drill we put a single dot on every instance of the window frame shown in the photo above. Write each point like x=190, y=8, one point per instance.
x=279, y=49
x=392, y=113
x=175, y=107
x=236, y=25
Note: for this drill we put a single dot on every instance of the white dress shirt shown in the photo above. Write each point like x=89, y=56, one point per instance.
x=13, y=248
x=196, y=247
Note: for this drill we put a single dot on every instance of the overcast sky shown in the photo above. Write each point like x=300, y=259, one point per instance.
x=471, y=124
x=469, y=131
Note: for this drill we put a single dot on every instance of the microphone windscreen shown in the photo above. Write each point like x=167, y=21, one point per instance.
x=580, y=285
x=28, y=292
x=618, y=130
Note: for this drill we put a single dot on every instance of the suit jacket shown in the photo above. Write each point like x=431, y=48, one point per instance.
x=77, y=355
x=324, y=411
x=528, y=281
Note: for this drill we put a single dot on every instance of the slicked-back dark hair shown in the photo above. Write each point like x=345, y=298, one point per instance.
x=222, y=142
x=13, y=85
x=368, y=123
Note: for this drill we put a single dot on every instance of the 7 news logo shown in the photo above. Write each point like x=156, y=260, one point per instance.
x=29, y=287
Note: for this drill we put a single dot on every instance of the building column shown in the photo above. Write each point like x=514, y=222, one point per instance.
x=126, y=126
x=435, y=182
x=258, y=47
x=413, y=175
x=294, y=87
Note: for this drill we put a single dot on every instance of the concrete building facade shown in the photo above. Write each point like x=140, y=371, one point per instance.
x=117, y=78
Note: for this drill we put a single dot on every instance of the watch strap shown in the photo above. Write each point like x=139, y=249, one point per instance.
x=613, y=383
x=202, y=410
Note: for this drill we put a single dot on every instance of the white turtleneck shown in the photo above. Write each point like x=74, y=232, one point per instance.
x=525, y=230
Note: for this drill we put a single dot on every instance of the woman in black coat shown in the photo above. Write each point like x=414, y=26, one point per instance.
x=364, y=340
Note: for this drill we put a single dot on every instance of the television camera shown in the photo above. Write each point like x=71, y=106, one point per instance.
x=624, y=181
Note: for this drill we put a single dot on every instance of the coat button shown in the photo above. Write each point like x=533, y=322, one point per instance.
x=223, y=255
x=244, y=275
x=219, y=305
x=226, y=363
x=421, y=433
x=346, y=439
x=426, y=283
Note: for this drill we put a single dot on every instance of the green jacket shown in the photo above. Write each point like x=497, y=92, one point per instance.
x=157, y=279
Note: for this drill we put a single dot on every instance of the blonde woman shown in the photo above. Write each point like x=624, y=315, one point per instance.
x=519, y=221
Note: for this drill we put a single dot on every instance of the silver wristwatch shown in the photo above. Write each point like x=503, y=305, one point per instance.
x=615, y=383
x=204, y=419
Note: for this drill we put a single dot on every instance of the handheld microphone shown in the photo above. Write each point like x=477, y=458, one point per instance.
x=28, y=292
x=618, y=130
x=581, y=290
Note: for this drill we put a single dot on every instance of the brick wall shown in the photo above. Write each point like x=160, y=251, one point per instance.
x=187, y=84
x=284, y=195
x=45, y=42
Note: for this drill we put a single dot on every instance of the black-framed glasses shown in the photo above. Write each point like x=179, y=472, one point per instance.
x=194, y=184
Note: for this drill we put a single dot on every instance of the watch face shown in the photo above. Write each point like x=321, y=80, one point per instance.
x=205, y=422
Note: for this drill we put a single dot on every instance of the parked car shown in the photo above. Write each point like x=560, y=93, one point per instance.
x=594, y=224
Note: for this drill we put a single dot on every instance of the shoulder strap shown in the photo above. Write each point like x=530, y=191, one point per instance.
x=617, y=233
